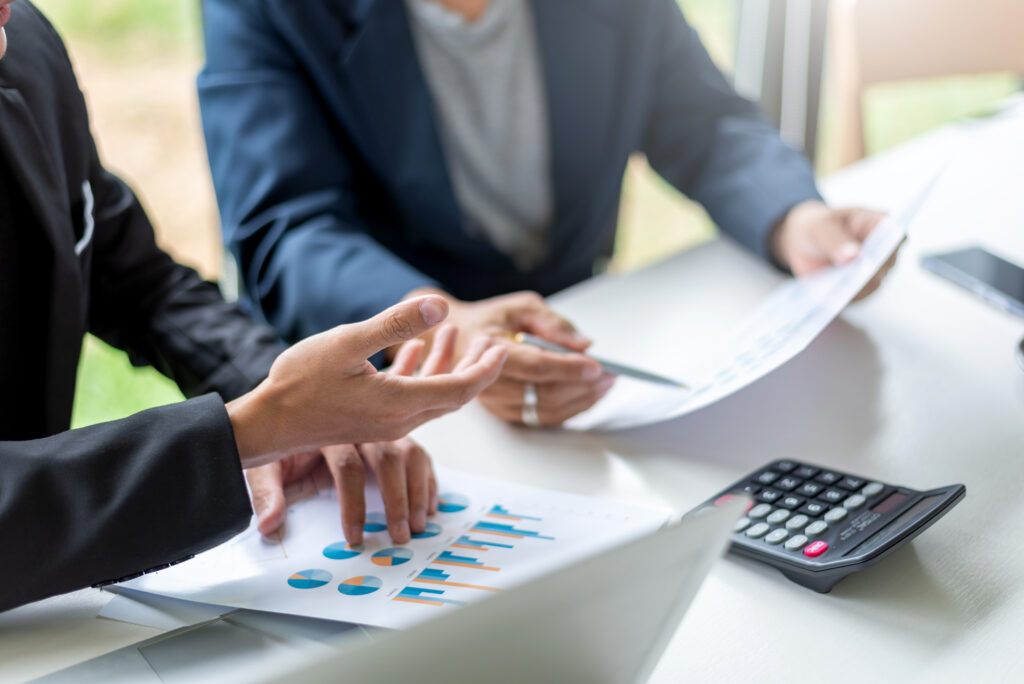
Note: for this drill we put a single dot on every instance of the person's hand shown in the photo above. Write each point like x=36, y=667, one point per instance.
x=813, y=236
x=402, y=468
x=323, y=391
x=566, y=384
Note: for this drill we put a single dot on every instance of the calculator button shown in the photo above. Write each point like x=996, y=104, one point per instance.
x=791, y=502
x=797, y=522
x=787, y=483
x=814, y=508
x=777, y=516
x=767, y=477
x=835, y=515
x=817, y=527
x=741, y=524
x=805, y=472
x=833, y=495
x=828, y=478
x=758, y=530
x=783, y=466
x=872, y=489
x=816, y=549
x=851, y=483
x=777, y=536
x=751, y=489
x=810, y=489
x=796, y=543
x=769, y=495
x=759, y=511
x=854, y=502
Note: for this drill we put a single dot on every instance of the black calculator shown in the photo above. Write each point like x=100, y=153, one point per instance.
x=818, y=525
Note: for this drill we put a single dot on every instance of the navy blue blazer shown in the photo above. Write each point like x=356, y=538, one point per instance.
x=333, y=190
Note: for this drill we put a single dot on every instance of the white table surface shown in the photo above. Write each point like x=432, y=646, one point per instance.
x=916, y=386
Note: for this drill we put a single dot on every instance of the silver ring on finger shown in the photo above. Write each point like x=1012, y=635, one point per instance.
x=529, y=414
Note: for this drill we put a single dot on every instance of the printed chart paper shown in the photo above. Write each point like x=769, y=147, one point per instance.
x=789, y=320
x=486, y=537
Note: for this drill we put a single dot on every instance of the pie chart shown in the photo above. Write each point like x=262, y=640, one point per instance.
x=396, y=555
x=432, y=530
x=375, y=522
x=452, y=502
x=341, y=551
x=309, y=579
x=360, y=586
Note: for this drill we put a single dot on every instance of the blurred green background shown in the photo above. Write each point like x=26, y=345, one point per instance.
x=137, y=62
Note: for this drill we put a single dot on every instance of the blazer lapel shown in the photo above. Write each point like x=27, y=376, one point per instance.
x=581, y=69
x=392, y=108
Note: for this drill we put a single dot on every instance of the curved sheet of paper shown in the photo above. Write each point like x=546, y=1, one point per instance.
x=789, y=320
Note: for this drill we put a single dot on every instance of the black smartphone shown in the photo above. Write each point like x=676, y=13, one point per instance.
x=992, y=278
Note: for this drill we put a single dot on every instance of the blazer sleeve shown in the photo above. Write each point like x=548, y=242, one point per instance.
x=163, y=313
x=712, y=144
x=285, y=184
x=113, y=500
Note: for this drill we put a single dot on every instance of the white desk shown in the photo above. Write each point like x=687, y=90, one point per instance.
x=916, y=386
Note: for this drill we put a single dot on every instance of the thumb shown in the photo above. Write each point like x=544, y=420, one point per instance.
x=835, y=242
x=267, y=486
x=545, y=323
x=399, y=323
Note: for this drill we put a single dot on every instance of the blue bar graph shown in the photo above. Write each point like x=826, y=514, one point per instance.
x=449, y=558
x=465, y=542
x=506, y=530
x=426, y=596
x=499, y=511
x=438, y=576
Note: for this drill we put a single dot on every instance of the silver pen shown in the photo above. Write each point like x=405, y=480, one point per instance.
x=608, y=366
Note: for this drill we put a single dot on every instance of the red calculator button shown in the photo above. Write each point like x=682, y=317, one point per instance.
x=816, y=549
x=725, y=498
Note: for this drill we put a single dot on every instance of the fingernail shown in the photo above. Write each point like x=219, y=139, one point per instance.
x=581, y=339
x=419, y=520
x=849, y=251
x=433, y=311
x=592, y=372
x=402, y=535
x=354, y=534
x=606, y=383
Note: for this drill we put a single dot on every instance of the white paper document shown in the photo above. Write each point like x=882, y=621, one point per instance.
x=792, y=316
x=486, y=537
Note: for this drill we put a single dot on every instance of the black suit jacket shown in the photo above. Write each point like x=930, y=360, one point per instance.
x=87, y=506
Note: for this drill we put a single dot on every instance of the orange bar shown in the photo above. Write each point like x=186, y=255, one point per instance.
x=500, y=534
x=466, y=565
x=503, y=517
x=412, y=600
x=471, y=548
x=455, y=584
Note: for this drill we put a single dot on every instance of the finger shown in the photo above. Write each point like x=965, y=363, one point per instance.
x=477, y=348
x=860, y=222
x=408, y=357
x=267, y=486
x=399, y=323
x=442, y=352
x=536, y=317
x=346, y=466
x=548, y=394
x=387, y=463
x=530, y=364
x=556, y=415
x=422, y=399
x=418, y=473
x=833, y=240
x=432, y=491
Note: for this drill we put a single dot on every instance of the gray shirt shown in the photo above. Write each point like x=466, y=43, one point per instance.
x=487, y=84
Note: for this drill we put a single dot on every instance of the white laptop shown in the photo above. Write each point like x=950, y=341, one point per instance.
x=607, y=618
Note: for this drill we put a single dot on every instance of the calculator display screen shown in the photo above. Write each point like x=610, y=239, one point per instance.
x=890, y=502
x=897, y=525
